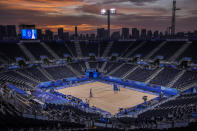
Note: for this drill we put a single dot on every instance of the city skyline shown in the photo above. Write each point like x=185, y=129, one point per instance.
x=53, y=14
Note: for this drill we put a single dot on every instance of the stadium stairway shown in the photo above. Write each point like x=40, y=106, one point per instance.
x=69, y=50
x=116, y=69
x=188, y=87
x=28, y=77
x=12, y=79
x=105, y=53
x=2, y=61
x=74, y=71
x=99, y=48
x=134, y=49
x=82, y=67
x=155, y=50
x=156, y=105
x=179, y=52
x=27, y=52
x=50, y=51
x=78, y=49
x=103, y=66
x=129, y=72
x=45, y=73
x=87, y=65
x=154, y=75
x=170, y=84
x=126, y=50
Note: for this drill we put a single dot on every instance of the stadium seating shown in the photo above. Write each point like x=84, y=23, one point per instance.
x=71, y=47
x=93, y=48
x=118, y=48
x=78, y=66
x=168, y=50
x=110, y=66
x=190, y=52
x=165, y=76
x=140, y=74
x=10, y=51
x=131, y=47
x=59, y=48
x=84, y=48
x=35, y=73
x=123, y=70
x=145, y=49
x=188, y=78
x=37, y=50
x=68, y=112
x=93, y=65
x=11, y=119
x=175, y=109
x=60, y=72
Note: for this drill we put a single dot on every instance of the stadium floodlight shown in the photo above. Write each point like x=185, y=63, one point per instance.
x=103, y=11
x=113, y=11
x=108, y=12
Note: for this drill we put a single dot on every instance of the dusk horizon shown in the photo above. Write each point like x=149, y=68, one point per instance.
x=85, y=14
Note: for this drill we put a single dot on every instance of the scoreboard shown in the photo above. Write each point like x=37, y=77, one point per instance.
x=29, y=34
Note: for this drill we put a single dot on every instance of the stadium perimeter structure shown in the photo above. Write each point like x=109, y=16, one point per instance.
x=58, y=90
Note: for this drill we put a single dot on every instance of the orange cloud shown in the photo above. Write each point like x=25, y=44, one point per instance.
x=47, y=6
x=82, y=27
x=85, y=14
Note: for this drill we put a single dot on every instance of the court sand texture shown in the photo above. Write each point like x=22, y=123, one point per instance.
x=104, y=96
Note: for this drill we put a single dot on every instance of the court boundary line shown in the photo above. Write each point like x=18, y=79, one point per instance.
x=110, y=83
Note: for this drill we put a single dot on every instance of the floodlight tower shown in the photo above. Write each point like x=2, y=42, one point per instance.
x=173, y=25
x=108, y=12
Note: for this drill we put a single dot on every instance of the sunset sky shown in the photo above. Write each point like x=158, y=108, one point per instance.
x=52, y=14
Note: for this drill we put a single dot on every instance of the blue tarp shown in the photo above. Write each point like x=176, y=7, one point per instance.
x=144, y=86
x=49, y=98
x=58, y=83
x=194, y=114
x=13, y=67
x=17, y=90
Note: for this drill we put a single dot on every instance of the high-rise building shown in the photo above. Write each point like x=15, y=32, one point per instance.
x=55, y=37
x=80, y=37
x=102, y=34
x=180, y=34
x=39, y=34
x=166, y=34
x=66, y=36
x=143, y=33
x=115, y=35
x=83, y=36
x=2, y=32
x=48, y=35
x=92, y=36
x=87, y=37
x=125, y=33
x=195, y=34
x=161, y=35
x=135, y=33
x=156, y=34
x=11, y=31
x=61, y=33
x=8, y=32
x=76, y=32
x=190, y=35
x=149, y=34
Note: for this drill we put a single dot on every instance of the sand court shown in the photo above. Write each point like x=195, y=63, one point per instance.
x=104, y=96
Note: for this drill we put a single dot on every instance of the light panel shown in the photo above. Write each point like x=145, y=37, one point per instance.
x=113, y=11
x=103, y=11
